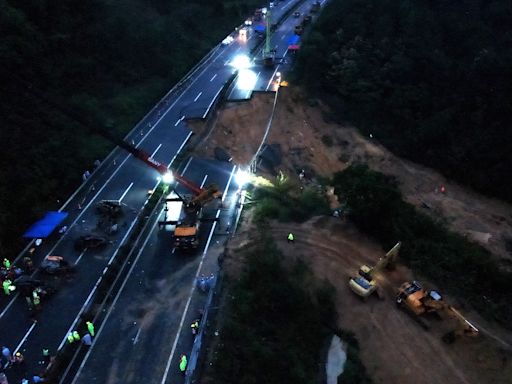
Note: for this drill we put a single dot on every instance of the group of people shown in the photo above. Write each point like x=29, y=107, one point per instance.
x=74, y=336
x=18, y=279
x=9, y=359
x=8, y=274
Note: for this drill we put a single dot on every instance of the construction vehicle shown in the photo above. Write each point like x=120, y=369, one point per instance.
x=190, y=215
x=419, y=302
x=364, y=283
x=112, y=208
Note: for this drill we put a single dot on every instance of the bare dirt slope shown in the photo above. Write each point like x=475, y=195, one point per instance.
x=394, y=348
x=299, y=129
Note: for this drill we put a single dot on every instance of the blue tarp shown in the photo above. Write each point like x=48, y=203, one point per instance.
x=294, y=40
x=259, y=28
x=42, y=228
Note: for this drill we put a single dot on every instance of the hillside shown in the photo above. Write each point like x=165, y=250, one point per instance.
x=429, y=80
x=108, y=61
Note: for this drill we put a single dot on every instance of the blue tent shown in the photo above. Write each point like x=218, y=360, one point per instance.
x=42, y=228
x=294, y=40
x=260, y=28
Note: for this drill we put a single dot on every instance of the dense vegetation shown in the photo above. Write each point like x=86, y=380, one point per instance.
x=108, y=59
x=276, y=325
x=449, y=260
x=285, y=201
x=431, y=80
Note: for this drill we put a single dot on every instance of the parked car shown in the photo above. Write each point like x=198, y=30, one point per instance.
x=90, y=241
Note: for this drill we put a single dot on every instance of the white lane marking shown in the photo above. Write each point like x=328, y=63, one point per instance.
x=86, y=357
x=177, y=122
x=286, y=52
x=214, y=76
x=180, y=148
x=137, y=336
x=186, y=165
x=272, y=78
x=86, y=303
x=204, y=180
x=258, y=75
x=70, y=226
x=125, y=192
x=227, y=62
x=122, y=286
x=282, y=38
x=211, y=103
x=155, y=151
x=174, y=345
x=80, y=256
x=198, y=95
x=25, y=337
x=118, y=169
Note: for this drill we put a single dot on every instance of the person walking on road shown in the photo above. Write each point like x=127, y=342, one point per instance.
x=183, y=363
x=8, y=287
x=87, y=340
x=195, y=327
x=290, y=238
x=46, y=355
x=7, y=263
x=6, y=352
x=90, y=328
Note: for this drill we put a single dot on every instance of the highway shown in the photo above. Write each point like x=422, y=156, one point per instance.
x=260, y=77
x=148, y=327
x=163, y=133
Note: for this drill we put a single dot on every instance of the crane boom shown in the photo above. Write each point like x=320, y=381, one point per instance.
x=200, y=194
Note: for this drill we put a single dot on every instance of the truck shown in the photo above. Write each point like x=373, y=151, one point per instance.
x=187, y=214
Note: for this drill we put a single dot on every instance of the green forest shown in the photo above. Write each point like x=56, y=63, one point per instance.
x=109, y=59
x=431, y=80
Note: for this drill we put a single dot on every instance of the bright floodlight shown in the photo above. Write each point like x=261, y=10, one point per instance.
x=241, y=62
x=246, y=80
x=167, y=178
x=242, y=177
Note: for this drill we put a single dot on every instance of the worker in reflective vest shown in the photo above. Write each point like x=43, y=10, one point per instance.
x=183, y=363
x=290, y=237
x=195, y=327
x=90, y=328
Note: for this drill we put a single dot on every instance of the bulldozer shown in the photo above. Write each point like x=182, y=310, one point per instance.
x=418, y=302
x=364, y=284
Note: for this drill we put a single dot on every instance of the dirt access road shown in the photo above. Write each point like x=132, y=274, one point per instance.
x=394, y=348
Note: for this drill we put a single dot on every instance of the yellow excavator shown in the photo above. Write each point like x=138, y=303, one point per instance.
x=364, y=283
x=418, y=301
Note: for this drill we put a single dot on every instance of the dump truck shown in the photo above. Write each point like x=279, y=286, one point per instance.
x=364, y=283
x=419, y=302
x=188, y=222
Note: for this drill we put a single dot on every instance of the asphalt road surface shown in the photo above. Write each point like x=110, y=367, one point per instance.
x=138, y=342
x=260, y=78
x=162, y=133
